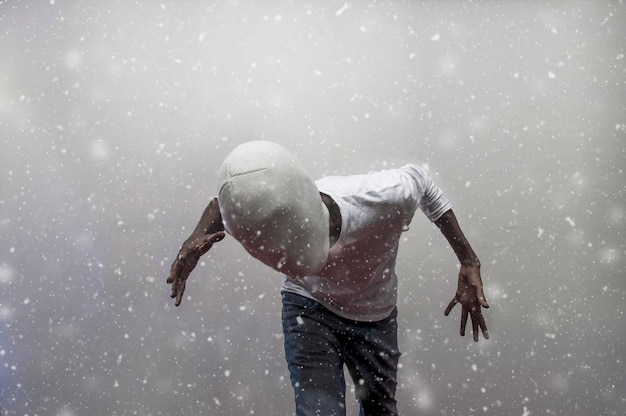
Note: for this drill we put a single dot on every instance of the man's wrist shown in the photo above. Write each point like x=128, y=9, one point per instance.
x=471, y=262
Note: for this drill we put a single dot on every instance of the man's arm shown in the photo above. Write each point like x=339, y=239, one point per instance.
x=469, y=291
x=210, y=222
x=209, y=230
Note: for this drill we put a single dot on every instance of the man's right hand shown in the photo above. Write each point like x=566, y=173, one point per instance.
x=187, y=260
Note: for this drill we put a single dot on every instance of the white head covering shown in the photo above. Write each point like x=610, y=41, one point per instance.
x=273, y=208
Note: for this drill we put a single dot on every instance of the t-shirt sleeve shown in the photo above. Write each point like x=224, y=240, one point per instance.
x=432, y=202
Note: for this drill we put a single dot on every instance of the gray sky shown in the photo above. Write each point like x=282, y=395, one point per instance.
x=114, y=117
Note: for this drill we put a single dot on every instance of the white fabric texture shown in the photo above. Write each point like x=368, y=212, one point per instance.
x=273, y=208
x=359, y=281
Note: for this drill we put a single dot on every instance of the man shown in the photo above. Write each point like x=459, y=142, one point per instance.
x=336, y=242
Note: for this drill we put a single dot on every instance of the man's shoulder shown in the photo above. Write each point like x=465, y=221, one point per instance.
x=372, y=177
x=383, y=186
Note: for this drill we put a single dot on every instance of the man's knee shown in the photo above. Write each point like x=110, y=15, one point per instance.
x=319, y=403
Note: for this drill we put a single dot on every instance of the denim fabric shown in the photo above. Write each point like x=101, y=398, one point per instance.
x=317, y=345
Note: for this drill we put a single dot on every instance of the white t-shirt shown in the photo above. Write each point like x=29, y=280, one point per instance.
x=359, y=281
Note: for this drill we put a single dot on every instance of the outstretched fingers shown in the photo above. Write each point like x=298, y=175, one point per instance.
x=472, y=312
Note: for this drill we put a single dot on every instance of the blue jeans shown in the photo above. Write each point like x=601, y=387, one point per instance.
x=317, y=345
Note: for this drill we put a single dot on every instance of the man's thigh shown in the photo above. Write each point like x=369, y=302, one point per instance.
x=372, y=359
x=313, y=356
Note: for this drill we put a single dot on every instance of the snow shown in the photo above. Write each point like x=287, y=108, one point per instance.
x=115, y=117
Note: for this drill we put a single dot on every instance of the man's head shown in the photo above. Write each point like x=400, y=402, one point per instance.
x=272, y=207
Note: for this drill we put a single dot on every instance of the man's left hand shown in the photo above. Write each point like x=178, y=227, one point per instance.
x=470, y=295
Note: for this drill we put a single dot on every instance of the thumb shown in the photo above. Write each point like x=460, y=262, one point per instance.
x=451, y=305
x=481, y=298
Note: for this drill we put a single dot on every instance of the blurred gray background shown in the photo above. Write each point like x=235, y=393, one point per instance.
x=114, y=117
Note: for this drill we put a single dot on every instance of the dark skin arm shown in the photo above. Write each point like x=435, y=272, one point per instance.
x=469, y=292
x=209, y=230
